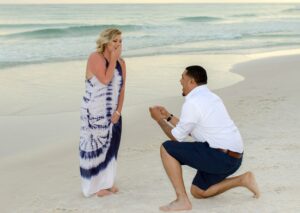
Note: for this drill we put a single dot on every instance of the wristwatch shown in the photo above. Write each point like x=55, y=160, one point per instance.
x=170, y=117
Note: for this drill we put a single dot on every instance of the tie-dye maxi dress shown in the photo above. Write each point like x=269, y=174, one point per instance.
x=99, y=138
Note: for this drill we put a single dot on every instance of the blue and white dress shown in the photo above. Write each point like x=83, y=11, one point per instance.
x=99, y=137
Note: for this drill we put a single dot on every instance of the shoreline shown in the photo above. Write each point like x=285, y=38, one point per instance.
x=261, y=53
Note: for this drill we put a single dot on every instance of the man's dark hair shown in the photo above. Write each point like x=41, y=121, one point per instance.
x=198, y=73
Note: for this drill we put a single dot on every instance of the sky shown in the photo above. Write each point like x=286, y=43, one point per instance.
x=142, y=1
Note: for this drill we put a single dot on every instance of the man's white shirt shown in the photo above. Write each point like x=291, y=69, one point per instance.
x=205, y=118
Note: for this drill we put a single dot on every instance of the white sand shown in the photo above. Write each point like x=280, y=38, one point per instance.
x=39, y=128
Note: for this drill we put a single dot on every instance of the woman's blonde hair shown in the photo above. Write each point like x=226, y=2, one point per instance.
x=105, y=37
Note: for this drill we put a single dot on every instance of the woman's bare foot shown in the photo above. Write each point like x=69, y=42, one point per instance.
x=249, y=182
x=177, y=205
x=103, y=192
x=114, y=189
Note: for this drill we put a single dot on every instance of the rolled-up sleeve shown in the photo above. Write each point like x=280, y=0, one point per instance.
x=187, y=122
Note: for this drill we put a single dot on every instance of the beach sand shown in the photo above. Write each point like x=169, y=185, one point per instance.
x=39, y=130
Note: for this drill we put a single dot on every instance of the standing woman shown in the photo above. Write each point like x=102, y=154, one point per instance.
x=101, y=121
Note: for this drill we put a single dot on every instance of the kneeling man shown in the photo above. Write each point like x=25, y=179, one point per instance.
x=218, y=148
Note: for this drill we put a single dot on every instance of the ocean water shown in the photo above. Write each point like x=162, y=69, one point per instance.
x=48, y=33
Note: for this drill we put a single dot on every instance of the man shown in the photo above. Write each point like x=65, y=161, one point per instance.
x=218, y=148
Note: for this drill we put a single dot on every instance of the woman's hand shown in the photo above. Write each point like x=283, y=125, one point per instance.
x=115, y=117
x=115, y=53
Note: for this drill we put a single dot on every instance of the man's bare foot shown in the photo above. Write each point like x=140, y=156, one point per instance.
x=103, y=192
x=114, y=189
x=177, y=205
x=249, y=182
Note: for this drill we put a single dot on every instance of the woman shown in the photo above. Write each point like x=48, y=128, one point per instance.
x=101, y=121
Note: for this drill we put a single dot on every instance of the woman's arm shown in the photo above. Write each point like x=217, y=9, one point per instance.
x=97, y=66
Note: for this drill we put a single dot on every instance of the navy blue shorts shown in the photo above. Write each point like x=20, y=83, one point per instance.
x=212, y=165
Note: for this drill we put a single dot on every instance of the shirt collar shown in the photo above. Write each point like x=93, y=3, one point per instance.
x=196, y=90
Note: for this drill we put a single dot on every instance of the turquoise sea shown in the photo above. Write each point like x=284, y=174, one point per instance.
x=47, y=33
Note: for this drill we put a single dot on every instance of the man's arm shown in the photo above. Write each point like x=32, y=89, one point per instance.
x=166, y=128
x=182, y=128
x=166, y=115
x=159, y=118
x=174, y=120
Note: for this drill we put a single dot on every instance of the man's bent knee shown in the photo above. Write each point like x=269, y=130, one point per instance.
x=162, y=148
x=197, y=192
x=163, y=151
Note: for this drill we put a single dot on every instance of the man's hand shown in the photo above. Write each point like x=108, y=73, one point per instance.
x=156, y=113
x=164, y=112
